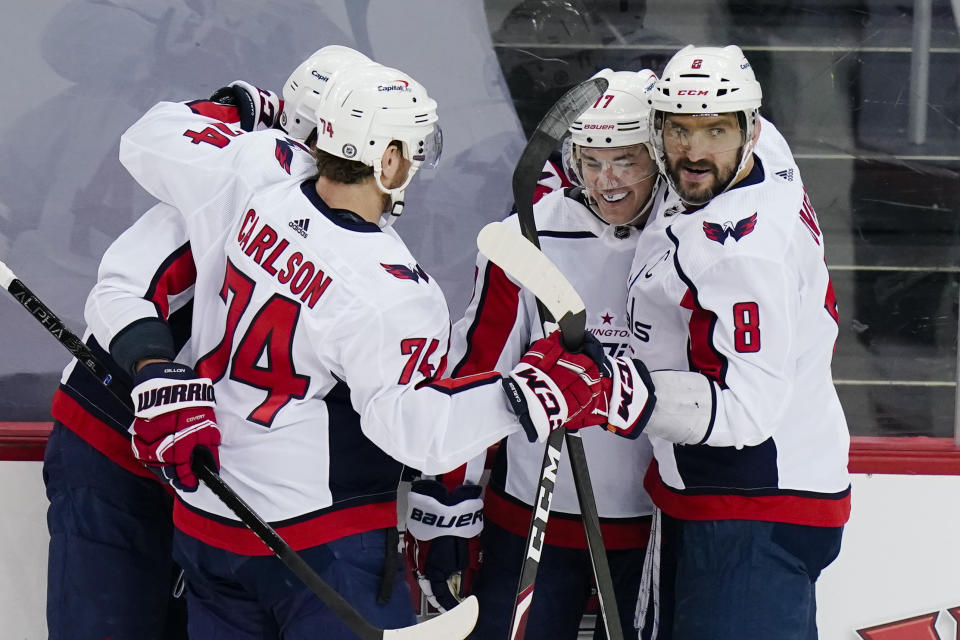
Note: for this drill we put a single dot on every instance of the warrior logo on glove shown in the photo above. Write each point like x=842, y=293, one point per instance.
x=174, y=420
x=166, y=395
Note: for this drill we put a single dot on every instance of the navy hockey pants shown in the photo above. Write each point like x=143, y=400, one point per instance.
x=562, y=589
x=739, y=579
x=110, y=572
x=237, y=597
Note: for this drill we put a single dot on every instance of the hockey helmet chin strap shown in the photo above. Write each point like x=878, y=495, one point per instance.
x=396, y=194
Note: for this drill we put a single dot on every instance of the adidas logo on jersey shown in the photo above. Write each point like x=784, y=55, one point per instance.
x=786, y=174
x=300, y=226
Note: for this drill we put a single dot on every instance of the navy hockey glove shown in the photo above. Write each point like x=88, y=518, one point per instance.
x=631, y=396
x=552, y=388
x=258, y=108
x=174, y=422
x=442, y=540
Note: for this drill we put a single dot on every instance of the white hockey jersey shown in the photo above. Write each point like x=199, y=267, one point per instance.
x=738, y=290
x=500, y=323
x=159, y=287
x=322, y=334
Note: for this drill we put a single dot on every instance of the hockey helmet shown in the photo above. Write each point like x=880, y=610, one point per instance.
x=706, y=81
x=305, y=86
x=362, y=112
x=617, y=120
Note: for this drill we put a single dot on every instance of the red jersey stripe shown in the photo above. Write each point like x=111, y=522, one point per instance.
x=236, y=538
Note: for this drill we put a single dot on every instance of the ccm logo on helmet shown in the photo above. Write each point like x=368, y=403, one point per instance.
x=433, y=520
x=692, y=92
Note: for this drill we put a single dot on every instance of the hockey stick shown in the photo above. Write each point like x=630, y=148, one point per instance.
x=534, y=271
x=456, y=623
x=545, y=139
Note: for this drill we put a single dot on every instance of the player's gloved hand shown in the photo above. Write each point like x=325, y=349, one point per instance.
x=551, y=387
x=442, y=540
x=174, y=422
x=631, y=396
x=259, y=108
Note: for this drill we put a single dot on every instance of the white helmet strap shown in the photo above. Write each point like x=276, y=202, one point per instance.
x=396, y=194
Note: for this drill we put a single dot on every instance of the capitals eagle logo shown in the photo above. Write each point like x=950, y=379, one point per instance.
x=403, y=272
x=284, y=152
x=720, y=233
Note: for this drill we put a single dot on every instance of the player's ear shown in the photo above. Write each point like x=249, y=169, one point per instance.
x=392, y=160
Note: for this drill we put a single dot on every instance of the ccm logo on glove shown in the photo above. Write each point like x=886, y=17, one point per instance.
x=626, y=389
x=546, y=391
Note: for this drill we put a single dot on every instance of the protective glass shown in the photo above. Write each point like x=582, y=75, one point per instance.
x=426, y=152
x=600, y=169
x=711, y=138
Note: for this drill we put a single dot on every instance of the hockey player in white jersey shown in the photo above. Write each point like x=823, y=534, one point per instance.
x=110, y=570
x=591, y=233
x=732, y=311
x=323, y=342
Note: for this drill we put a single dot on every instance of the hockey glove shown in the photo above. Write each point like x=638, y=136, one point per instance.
x=259, y=108
x=174, y=422
x=552, y=388
x=631, y=396
x=442, y=540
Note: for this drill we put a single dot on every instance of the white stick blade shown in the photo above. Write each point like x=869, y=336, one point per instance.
x=455, y=624
x=503, y=245
x=6, y=276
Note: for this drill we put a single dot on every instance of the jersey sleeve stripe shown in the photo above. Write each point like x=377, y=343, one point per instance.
x=175, y=275
x=703, y=356
x=451, y=386
x=222, y=112
x=492, y=324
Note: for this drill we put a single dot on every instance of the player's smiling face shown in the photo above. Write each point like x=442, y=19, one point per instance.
x=703, y=152
x=619, y=180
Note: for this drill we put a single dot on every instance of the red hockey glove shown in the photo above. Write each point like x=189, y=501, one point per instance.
x=174, y=422
x=259, y=108
x=631, y=396
x=551, y=387
x=442, y=540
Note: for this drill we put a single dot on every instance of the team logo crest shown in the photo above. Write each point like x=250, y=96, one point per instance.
x=720, y=232
x=403, y=272
x=284, y=154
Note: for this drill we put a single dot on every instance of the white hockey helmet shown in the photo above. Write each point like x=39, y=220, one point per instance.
x=705, y=81
x=305, y=86
x=619, y=118
x=363, y=111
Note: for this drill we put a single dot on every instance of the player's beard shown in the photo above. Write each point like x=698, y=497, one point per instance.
x=703, y=193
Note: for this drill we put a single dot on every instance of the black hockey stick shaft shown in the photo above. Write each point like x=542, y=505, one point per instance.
x=544, y=140
x=330, y=597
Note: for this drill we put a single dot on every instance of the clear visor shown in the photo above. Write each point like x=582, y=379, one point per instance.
x=708, y=137
x=425, y=152
x=604, y=169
